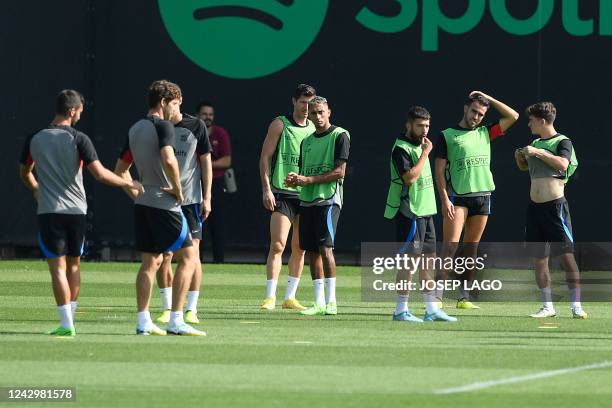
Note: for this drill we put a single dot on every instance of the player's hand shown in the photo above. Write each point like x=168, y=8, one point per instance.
x=268, y=200
x=426, y=146
x=479, y=93
x=136, y=185
x=291, y=179
x=448, y=209
x=205, y=209
x=530, y=151
x=175, y=191
x=302, y=180
x=519, y=155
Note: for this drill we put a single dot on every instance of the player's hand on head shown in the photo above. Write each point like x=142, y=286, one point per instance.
x=269, y=202
x=479, y=93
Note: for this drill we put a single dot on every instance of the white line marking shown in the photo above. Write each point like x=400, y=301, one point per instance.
x=511, y=380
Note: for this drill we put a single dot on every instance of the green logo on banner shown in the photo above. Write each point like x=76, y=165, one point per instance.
x=243, y=39
x=254, y=38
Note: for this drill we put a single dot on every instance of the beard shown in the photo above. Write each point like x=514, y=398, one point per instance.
x=208, y=122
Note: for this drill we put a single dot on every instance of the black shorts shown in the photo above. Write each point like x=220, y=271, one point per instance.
x=61, y=235
x=288, y=205
x=194, y=221
x=549, y=228
x=160, y=231
x=418, y=235
x=318, y=226
x=478, y=205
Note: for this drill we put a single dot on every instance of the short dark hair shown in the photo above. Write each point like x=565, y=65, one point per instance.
x=478, y=99
x=543, y=110
x=304, y=90
x=163, y=90
x=66, y=100
x=417, y=112
x=203, y=104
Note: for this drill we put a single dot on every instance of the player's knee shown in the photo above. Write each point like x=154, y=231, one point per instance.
x=277, y=247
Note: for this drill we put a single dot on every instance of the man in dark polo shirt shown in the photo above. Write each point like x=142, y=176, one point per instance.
x=221, y=156
x=58, y=152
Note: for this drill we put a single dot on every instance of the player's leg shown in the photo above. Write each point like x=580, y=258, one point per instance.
x=164, y=283
x=328, y=225
x=474, y=228
x=542, y=275
x=73, y=275
x=194, y=222
x=280, y=225
x=53, y=242
x=186, y=264
x=61, y=292
x=75, y=226
x=193, y=295
x=318, y=284
x=296, y=265
x=406, y=232
x=451, y=235
x=562, y=241
x=144, y=283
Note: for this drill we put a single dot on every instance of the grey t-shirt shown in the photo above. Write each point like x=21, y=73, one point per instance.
x=539, y=169
x=191, y=143
x=59, y=153
x=145, y=140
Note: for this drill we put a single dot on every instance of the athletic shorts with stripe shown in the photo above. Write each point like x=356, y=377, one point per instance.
x=318, y=226
x=194, y=221
x=61, y=235
x=160, y=231
x=548, y=228
x=418, y=235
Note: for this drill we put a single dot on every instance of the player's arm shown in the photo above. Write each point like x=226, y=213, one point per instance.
x=341, y=155
x=122, y=169
x=557, y=162
x=166, y=136
x=26, y=169
x=26, y=173
x=171, y=168
x=206, y=165
x=508, y=115
x=441, y=155
x=105, y=176
x=265, y=158
x=521, y=161
x=412, y=175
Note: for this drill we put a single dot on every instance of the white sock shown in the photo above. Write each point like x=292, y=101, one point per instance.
x=166, y=298
x=547, y=298
x=144, y=318
x=319, y=291
x=575, y=294
x=402, y=304
x=65, y=316
x=176, y=319
x=430, y=302
x=439, y=292
x=192, y=300
x=330, y=288
x=73, y=308
x=271, y=288
x=292, y=285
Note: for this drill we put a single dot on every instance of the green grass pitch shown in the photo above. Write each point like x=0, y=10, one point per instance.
x=359, y=358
